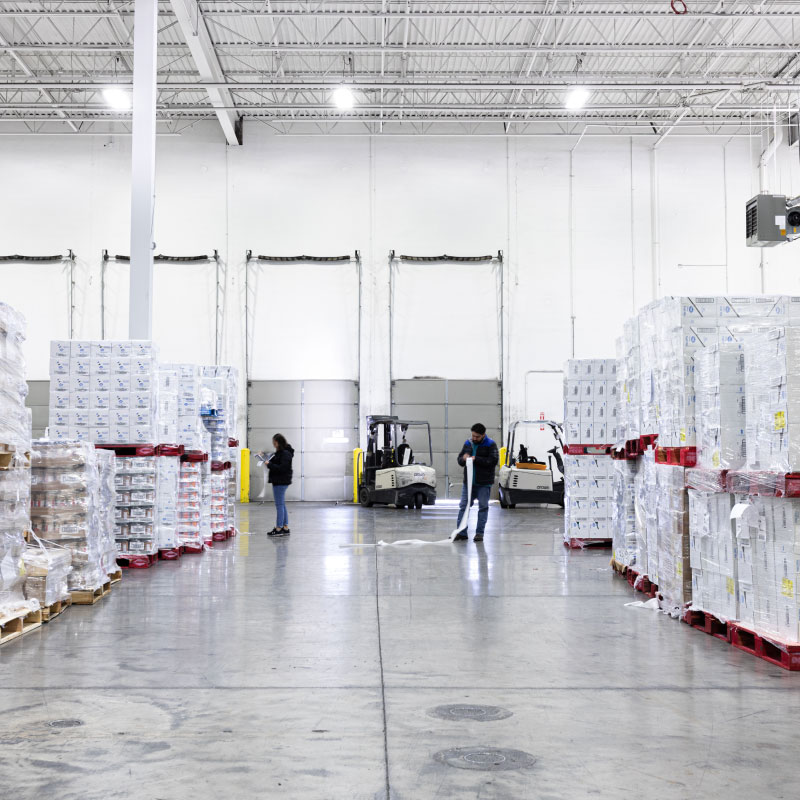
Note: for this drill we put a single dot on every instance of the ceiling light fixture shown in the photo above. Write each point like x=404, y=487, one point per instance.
x=576, y=97
x=117, y=98
x=343, y=98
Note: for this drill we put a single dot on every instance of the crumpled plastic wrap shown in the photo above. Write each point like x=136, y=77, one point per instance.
x=721, y=406
x=66, y=507
x=713, y=554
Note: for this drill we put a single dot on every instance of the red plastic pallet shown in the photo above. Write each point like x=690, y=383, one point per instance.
x=209, y=542
x=580, y=544
x=191, y=549
x=220, y=536
x=677, y=456
x=143, y=561
x=707, y=623
x=233, y=442
x=647, y=440
x=588, y=450
x=232, y=532
x=129, y=450
x=707, y=480
x=170, y=553
x=194, y=456
x=768, y=484
x=782, y=654
x=170, y=450
x=641, y=583
x=220, y=466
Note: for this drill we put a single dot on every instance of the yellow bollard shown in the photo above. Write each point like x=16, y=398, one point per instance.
x=357, y=466
x=503, y=454
x=244, y=476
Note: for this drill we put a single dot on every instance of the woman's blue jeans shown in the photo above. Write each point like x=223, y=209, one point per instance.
x=279, y=493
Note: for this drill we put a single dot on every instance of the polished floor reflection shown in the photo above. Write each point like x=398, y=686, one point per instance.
x=299, y=668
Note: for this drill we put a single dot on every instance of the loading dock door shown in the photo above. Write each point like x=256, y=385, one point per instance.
x=320, y=420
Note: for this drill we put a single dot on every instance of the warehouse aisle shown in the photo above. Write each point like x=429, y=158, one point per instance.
x=295, y=668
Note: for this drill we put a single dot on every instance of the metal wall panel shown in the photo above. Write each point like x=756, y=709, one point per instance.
x=451, y=407
x=320, y=420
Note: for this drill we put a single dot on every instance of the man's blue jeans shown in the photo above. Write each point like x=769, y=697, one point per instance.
x=279, y=493
x=482, y=494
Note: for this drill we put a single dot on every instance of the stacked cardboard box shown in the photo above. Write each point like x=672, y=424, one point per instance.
x=103, y=392
x=190, y=529
x=590, y=401
x=179, y=403
x=15, y=476
x=588, y=498
x=627, y=540
x=136, y=503
x=713, y=554
x=47, y=569
x=168, y=464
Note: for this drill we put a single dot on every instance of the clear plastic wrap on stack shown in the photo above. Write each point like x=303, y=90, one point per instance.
x=721, y=409
x=179, y=406
x=205, y=501
x=772, y=386
x=15, y=433
x=66, y=507
x=713, y=554
x=627, y=543
x=136, y=503
x=646, y=488
x=190, y=499
x=219, y=500
x=629, y=380
x=768, y=567
x=672, y=512
x=167, y=400
x=168, y=464
x=103, y=391
x=588, y=497
x=107, y=471
x=47, y=569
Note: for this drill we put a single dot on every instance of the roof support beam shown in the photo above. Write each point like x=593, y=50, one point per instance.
x=205, y=58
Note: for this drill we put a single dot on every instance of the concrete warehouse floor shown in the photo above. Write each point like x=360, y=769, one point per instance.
x=295, y=668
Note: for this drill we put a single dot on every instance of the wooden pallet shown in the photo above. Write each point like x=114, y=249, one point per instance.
x=54, y=609
x=86, y=597
x=20, y=625
x=115, y=577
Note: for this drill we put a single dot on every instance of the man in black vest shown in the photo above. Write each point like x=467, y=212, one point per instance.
x=482, y=451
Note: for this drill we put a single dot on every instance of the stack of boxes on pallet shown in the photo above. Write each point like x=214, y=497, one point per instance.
x=136, y=504
x=590, y=410
x=716, y=374
x=103, y=392
x=15, y=477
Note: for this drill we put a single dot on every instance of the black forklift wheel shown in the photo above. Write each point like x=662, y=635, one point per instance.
x=417, y=501
x=363, y=497
x=502, y=498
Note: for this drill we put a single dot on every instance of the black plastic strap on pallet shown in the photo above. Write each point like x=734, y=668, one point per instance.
x=36, y=258
x=295, y=259
x=446, y=258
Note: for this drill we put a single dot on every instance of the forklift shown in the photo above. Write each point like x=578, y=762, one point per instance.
x=389, y=472
x=525, y=479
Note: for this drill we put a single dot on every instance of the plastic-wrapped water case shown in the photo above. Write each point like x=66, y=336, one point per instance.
x=627, y=542
x=47, y=569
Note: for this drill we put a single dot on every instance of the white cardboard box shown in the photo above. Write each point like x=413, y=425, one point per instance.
x=100, y=400
x=80, y=349
x=60, y=348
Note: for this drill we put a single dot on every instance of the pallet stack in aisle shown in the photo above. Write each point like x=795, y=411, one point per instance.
x=190, y=530
x=590, y=410
x=135, y=505
x=18, y=614
x=66, y=510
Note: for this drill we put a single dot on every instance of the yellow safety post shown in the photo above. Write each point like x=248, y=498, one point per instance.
x=244, y=476
x=503, y=454
x=357, y=465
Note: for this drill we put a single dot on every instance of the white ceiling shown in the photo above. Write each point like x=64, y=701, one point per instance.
x=416, y=66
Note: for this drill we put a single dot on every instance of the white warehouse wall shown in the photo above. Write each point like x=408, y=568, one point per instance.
x=589, y=232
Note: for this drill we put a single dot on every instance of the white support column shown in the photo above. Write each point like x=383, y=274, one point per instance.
x=143, y=168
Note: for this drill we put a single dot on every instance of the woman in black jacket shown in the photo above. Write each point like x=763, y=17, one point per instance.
x=280, y=476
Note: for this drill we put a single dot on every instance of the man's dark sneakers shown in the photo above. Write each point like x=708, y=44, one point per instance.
x=278, y=532
x=460, y=537
x=478, y=537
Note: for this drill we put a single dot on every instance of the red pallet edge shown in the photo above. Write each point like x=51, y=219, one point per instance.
x=677, y=456
x=707, y=623
x=233, y=442
x=588, y=450
x=769, y=648
x=129, y=450
x=765, y=484
x=170, y=450
x=191, y=549
x=194, y=456
x=721, y=475
x=137, y=561
x=170, y=553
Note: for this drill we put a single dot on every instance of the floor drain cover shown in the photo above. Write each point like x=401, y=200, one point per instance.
x=65, y=723
x=465, y=711
x=485, y=758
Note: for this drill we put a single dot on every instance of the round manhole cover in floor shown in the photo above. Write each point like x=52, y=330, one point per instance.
x=65, y=723
x=485, y=758
x=470, y=711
